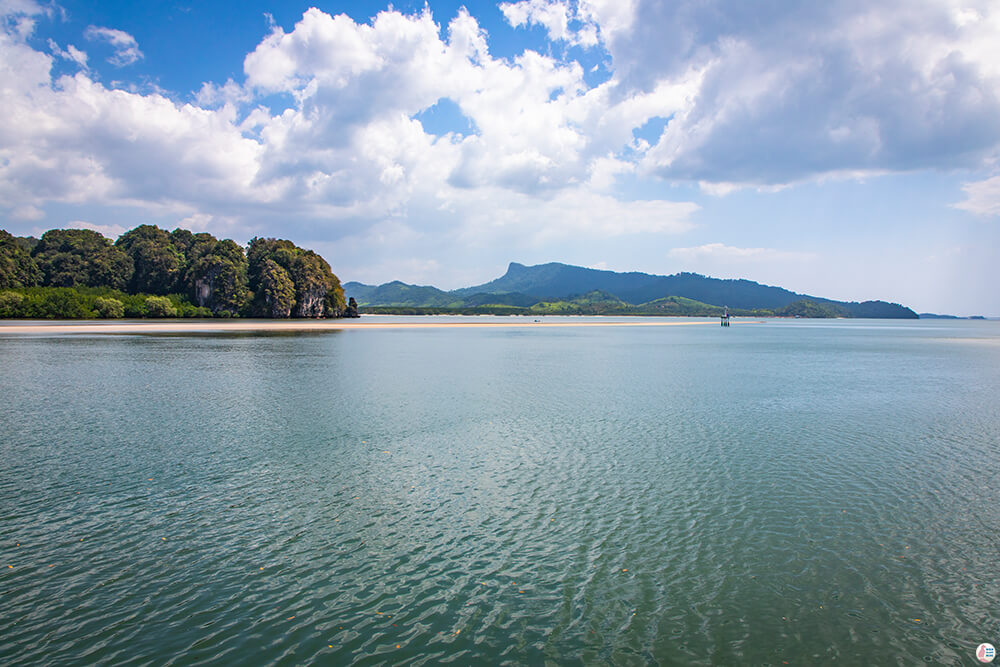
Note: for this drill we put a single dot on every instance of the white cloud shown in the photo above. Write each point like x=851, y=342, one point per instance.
x=17, y=17
x=553, y=16
x=348, y=153
x=982, y=197
x=573, y=23
x=518, y=219
x=110, y=231
x=212, y=95
x=745, y=100
x=792, y=92
x=126, y=48
x=70, y=53
x=716, y=252
x=27, y=212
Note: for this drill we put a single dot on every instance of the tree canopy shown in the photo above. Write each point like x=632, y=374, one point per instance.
x=150, y=272
x=17, y=268
x=216, y=277
x=81, y=258
x=158, y=264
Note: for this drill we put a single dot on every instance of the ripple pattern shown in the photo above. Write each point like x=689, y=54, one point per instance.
x=781, y=493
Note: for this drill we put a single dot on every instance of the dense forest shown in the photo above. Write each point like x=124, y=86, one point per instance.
x=149, y=272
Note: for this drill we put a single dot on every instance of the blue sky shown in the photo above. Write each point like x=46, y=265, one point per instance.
x=842, y=149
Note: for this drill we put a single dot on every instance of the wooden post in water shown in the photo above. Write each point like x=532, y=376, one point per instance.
x=725, y=316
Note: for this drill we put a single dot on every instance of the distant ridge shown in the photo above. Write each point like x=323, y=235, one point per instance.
x=524, y=286
x=555, y=280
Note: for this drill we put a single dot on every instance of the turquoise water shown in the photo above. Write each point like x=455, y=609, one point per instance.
x=792, y=491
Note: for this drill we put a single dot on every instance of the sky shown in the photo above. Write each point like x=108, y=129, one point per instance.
x=843, y=149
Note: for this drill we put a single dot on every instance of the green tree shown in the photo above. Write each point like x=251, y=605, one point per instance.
x=160, y=306
x=81, y=257
x=217, y=276
x=55, y=303
x=17, y=268
x=808, y=308
x=159, y=265
x=109, y=308
x=182, y=239
x=27, y=242
x=10, y=304
x=275, y=294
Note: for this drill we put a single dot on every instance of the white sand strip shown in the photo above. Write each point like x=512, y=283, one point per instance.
x=313, y=325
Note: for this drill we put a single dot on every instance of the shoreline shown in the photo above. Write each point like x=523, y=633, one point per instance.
x=89, y=327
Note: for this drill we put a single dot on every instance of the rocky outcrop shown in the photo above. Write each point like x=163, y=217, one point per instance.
x=352, y=308
x=312, y=302
x=308, y=286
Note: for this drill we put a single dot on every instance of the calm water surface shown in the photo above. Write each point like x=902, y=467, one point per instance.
x=800, y=492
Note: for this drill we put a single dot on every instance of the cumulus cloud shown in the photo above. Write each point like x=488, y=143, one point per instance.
x=126, y=48
x=213, y=95
x=110, y=231
x=794, y=90
x=349, y=150
x=562, y=22
x=745, y=95
x=70, y=53
x=17, y=17
x=982, y=197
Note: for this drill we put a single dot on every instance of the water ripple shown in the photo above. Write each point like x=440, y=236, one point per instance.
x=632, y=497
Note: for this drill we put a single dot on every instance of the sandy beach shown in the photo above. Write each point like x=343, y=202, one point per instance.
x=90, y=327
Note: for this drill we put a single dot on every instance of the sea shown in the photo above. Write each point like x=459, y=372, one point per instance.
x=775, y=492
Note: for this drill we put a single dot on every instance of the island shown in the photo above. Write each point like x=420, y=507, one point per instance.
x=151, y=273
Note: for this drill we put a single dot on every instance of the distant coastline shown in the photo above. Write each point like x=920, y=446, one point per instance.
x=78, y=274
x=563, y=289
x=305, y=325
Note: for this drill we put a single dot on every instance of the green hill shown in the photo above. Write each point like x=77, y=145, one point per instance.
x=565, y=289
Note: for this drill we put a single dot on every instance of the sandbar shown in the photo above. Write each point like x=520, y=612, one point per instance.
x=314, y=325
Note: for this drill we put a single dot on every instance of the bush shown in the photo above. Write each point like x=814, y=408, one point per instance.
x=10, y=304
x=55, y=303
x=185, y=308
x=160, y=306
x=109, y=309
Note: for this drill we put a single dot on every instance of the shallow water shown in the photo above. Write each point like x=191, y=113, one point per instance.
x=779, y=492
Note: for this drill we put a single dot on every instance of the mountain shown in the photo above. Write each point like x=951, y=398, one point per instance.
x=398, y=293
x=639, y=293
x=556, y=281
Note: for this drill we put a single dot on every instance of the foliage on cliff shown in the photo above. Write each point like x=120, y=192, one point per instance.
x=17, y=269
x=81, y=258
x=809, y=308
x=158, y=264
x=290, y=281
x=216, y=277
x=149, y=272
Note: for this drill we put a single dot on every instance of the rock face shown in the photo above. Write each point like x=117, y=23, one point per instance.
x=352, y=308
x=311, y=302
x=203, y=291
